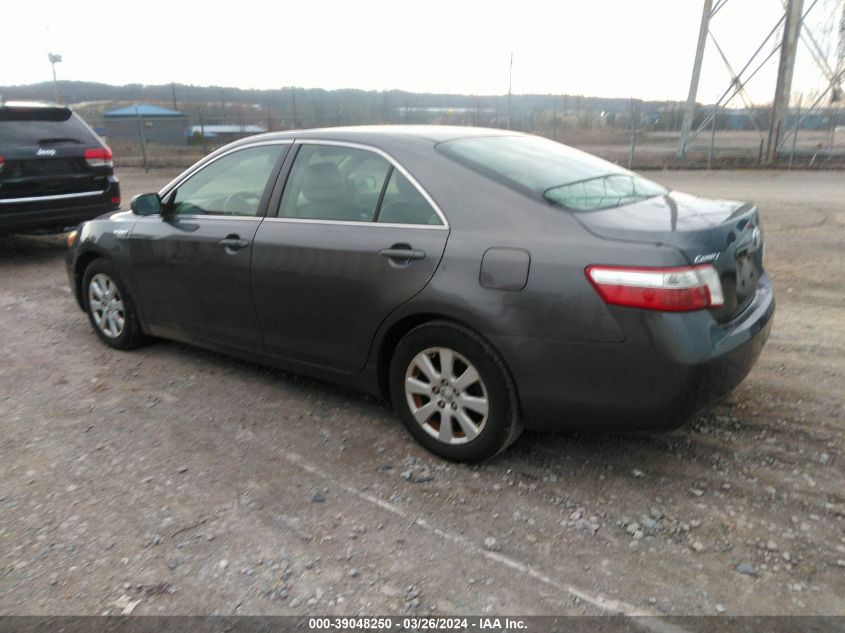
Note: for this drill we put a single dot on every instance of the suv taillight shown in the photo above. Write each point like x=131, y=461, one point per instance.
x=2, y=163
x=98, y=157
x=669, y=289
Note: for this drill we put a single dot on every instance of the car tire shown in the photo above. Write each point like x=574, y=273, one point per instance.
x=110, y=308
x=447, y=410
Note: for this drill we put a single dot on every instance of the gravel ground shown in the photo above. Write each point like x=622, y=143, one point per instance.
x=170, y=480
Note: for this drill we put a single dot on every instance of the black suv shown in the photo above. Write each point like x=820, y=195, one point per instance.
x=54, y=170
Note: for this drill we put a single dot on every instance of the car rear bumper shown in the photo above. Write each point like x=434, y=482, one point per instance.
x=55, y=212
x=54, y=219
x=669, y=366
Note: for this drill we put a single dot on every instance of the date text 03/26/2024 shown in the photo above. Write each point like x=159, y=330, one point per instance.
x=417, y=624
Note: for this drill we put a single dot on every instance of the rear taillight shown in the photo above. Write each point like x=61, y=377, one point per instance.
x=2, y=163
x=98, y=157
x=669, y=289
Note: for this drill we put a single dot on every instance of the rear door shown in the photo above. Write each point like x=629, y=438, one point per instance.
x=191, y=268
x=353, y=238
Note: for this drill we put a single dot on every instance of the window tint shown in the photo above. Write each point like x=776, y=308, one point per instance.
x=334, y=183
x=34, y=126
x=404, y=204
x=232, y=185
x=552, y=170
x=604, y=192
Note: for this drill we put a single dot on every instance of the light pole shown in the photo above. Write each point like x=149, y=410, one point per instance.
x=54, y=59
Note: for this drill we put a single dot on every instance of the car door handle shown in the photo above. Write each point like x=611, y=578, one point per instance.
x=234, y=243
x=403, y=254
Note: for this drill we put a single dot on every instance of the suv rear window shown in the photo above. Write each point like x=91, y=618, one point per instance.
x=565, y=176
x=42, y=126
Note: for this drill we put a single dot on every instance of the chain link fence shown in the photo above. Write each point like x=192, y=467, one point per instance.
x=640, y=138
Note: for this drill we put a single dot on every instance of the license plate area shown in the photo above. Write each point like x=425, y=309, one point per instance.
x=747, y=278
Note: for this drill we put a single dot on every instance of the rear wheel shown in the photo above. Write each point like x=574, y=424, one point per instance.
x=110, y=309
x=454, y=393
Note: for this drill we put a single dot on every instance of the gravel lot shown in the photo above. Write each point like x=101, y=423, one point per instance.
x=173, y=480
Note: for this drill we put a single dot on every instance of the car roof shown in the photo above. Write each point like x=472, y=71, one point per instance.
x=383, y=134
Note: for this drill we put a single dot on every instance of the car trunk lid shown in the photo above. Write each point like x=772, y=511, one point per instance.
x=723, y=233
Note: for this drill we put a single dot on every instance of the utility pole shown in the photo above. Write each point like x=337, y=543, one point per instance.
x=795, y=131
x=633, y=135
x=510, y=82
x=788, y=48
x=689, y=112
x=173, y=90
x=54, y=59
x=387, y=107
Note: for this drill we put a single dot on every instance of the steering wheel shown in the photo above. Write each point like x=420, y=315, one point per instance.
x=240, y=203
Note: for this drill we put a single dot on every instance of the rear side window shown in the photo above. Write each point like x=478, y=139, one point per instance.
x=330, y=182
x=404, y=204
x=560, y=174
x=43, y=126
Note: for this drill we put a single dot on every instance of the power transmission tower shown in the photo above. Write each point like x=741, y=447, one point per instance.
x=840, y=61
x=788, y=48
x=689, y=111
x=791, y=22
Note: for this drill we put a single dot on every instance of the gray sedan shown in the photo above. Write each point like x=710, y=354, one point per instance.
x=480, y=279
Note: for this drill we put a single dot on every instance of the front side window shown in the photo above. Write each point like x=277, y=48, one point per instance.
x=231, y=185
x=562, y=175
x=330, y=182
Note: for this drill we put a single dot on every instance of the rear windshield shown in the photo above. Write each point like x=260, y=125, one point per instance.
x=562, y=175
x=42, y=126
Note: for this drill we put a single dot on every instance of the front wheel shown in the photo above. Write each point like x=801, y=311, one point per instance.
x=454, y=393
x=109, y=306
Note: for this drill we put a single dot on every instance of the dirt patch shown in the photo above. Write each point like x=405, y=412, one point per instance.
x=179, y=481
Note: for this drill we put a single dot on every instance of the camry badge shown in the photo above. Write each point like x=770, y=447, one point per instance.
x=709, y=257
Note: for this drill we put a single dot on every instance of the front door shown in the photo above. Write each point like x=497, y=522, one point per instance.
x=191, y=268
x=352, y=240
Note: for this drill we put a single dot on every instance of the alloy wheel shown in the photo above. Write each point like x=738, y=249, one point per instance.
x=106, y=305
x=446, y=395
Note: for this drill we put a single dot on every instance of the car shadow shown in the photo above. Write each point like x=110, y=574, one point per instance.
x=686, y=452
x=29, y=248
x=534, y=454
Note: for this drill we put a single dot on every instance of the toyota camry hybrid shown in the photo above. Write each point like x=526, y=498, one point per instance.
x=480, y=279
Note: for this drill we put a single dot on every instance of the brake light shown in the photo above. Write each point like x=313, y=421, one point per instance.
x=98, y=157
x=2, y=162
x=668, y=289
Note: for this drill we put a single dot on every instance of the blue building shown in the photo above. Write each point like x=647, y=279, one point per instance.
x=158, y=125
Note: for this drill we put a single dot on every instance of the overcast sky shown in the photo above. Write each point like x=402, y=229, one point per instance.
x=618, y=48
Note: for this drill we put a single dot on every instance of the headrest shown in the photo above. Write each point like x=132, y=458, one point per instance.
x=323, y=182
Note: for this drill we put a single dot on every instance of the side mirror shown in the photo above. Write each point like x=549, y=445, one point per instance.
x=146, y=204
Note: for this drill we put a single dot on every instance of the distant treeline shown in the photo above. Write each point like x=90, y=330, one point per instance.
x=304, y=106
